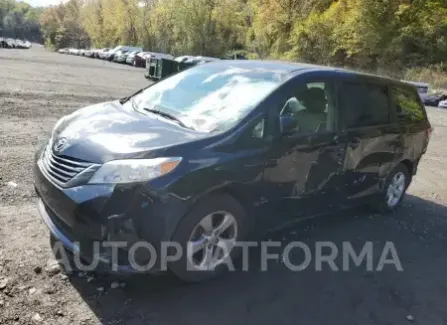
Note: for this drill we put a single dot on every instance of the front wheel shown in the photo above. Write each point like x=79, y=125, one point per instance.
x=394, y=190
x=208, y=236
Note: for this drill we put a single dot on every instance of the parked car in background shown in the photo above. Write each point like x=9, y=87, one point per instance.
x=443, y=103
x=184, y=58
x=90, y=53
x=14, y=43
x=62, y=51
x=422, y=88
x=120, y=56
x=10, y=43
x=434, y=99
x=155, y=55
x=185, y=163
x=139, y=59
x=134, y=49
x=205, y=59
x=131, y=56
x=5, y=43
x=195, y=60
x=191, y=60
x=96, y=53
x=111, y=54
x=20, y=44
x=100, y=54
x=27, y=44
x=234, y=56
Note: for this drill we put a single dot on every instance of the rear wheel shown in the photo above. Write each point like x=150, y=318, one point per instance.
x=208, y=235
x=394, y=190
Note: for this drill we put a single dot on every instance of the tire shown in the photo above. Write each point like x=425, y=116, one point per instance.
x=384, y=204
x=216, y=206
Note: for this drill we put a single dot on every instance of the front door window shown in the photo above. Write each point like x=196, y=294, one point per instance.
x=311, y=105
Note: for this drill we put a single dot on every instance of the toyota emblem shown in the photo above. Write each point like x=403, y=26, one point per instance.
x=60, y=144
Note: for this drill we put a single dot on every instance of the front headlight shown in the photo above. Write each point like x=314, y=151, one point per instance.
x=134, y=170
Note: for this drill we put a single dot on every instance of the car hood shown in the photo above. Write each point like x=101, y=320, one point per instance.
x=111, y=131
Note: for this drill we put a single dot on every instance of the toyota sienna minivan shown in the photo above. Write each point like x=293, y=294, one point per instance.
x=218, y=152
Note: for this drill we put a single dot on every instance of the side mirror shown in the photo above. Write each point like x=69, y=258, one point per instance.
x=287, y=124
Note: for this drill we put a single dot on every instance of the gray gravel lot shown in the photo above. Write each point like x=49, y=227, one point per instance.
x=37, y=87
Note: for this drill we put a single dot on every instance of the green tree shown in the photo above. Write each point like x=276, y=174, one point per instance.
x=19, y=20
x=62, y=25
x=376, y=35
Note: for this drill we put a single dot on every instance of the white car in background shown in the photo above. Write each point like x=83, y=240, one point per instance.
x=73, y=51
x=100, y=54
x=443, y=104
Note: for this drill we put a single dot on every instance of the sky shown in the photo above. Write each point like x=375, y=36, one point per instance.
x=37, y=3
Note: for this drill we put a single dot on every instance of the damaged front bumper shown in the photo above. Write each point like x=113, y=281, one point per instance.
x=91, y=220
x=87, y=259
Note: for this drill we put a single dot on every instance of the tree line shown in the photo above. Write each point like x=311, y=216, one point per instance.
x=19, y=20
x=366, y=34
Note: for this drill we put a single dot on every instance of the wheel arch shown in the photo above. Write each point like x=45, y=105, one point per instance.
x=231, y=190
x=409, y=165
x=242, y=197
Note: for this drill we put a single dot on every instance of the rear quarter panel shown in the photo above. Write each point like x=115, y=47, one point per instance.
x=415, y=142
x=414, y=135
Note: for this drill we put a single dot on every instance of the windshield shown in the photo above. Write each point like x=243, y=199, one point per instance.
x=116, y=49
x=211, y=97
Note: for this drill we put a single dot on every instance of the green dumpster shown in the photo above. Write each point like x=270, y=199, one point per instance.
x=158, y=68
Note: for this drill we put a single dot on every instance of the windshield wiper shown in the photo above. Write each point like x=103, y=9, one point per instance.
x=166, y=115
x=127, y=98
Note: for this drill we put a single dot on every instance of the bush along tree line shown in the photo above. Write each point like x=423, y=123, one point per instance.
x=19, y=20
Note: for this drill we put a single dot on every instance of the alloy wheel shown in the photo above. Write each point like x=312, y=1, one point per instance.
x=396, y=189
x=212, y=241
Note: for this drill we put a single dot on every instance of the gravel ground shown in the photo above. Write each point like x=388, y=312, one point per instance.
x=37, y=87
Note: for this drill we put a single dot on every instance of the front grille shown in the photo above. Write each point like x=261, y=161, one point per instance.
x=62, y=169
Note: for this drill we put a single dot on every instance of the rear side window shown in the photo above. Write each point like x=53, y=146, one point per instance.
x=364, y=104
x=408, y=104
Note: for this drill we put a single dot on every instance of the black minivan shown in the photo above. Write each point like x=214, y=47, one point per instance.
x=213, y=154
